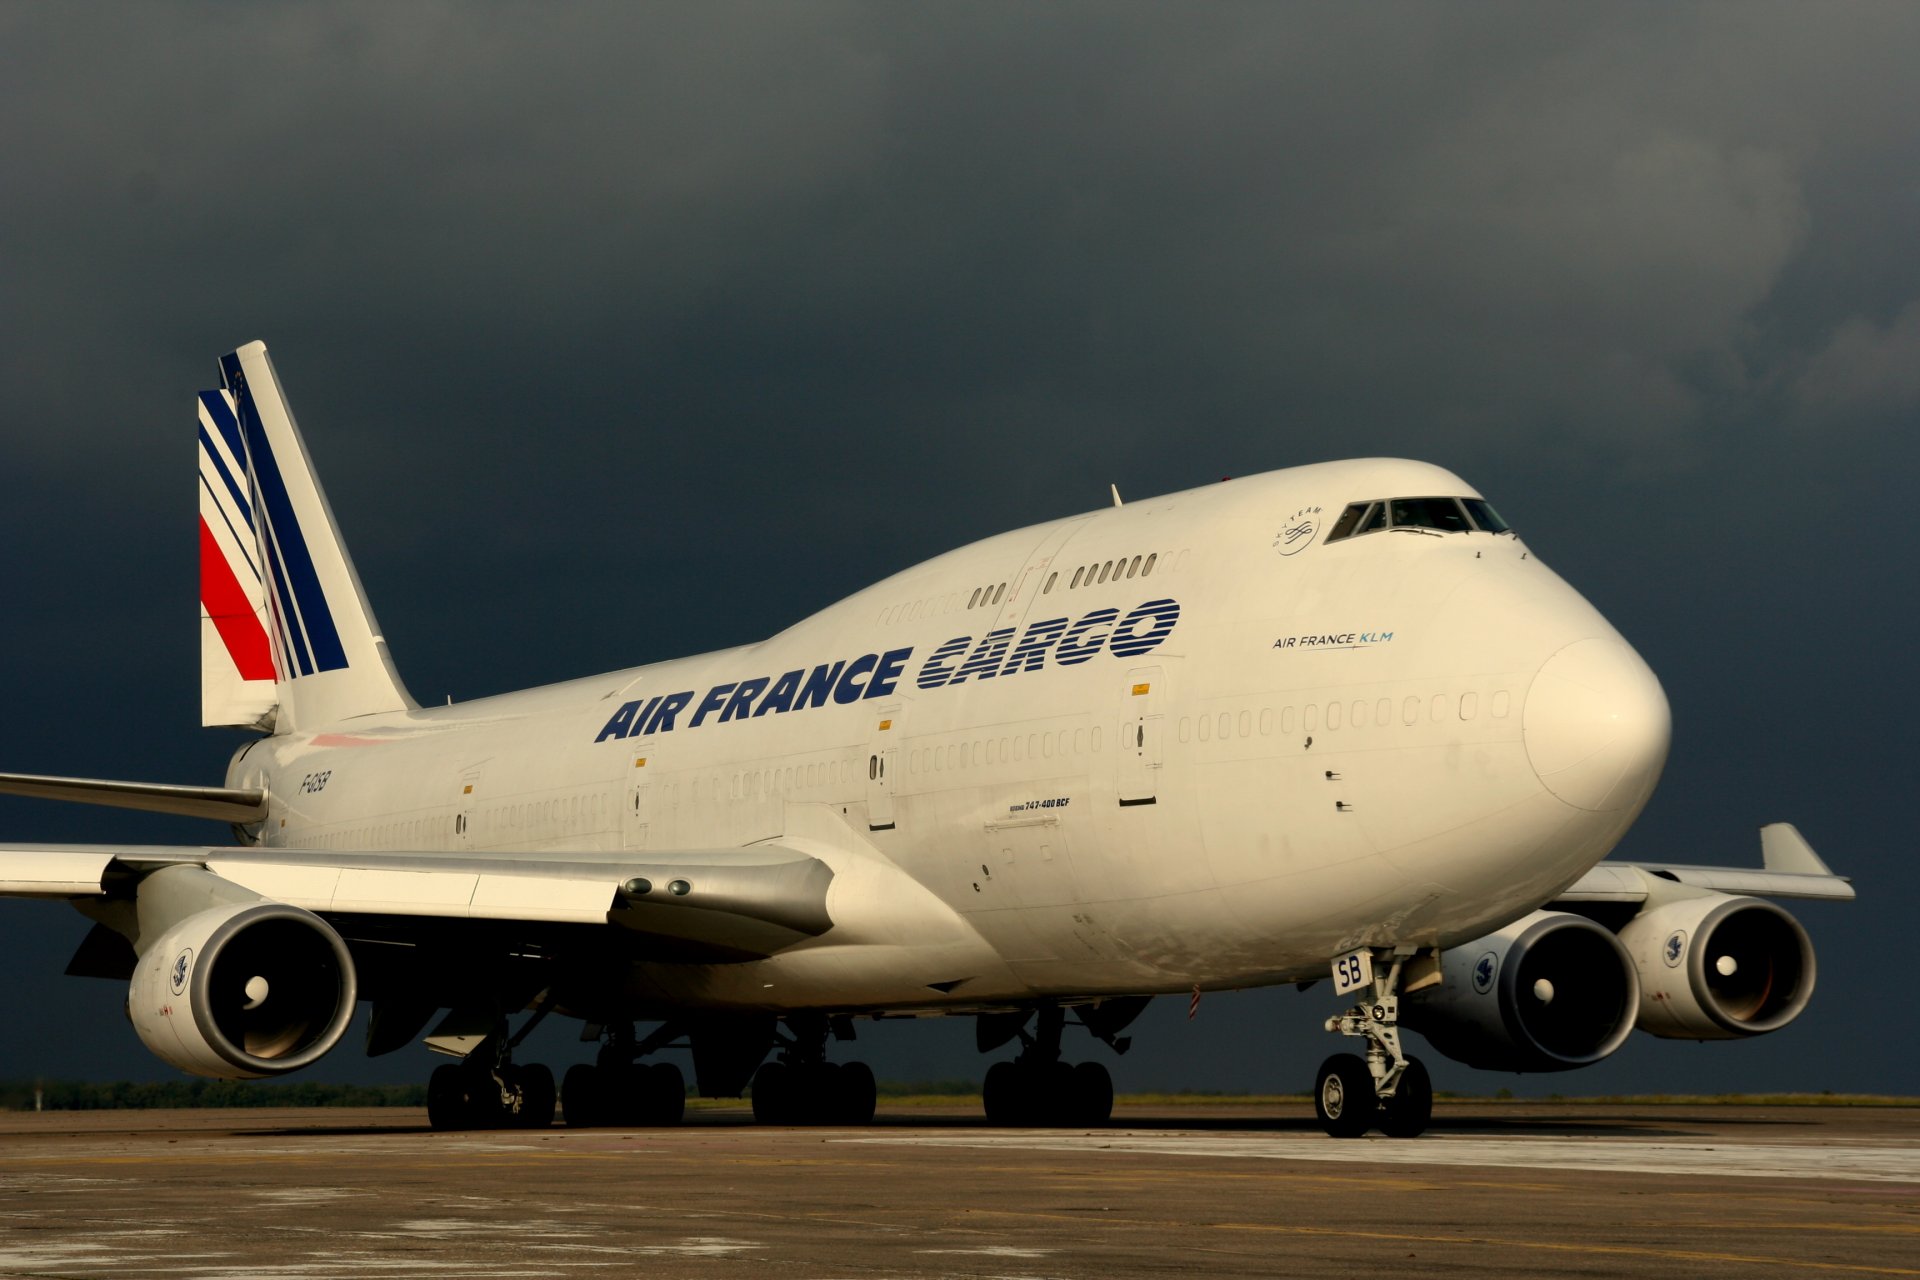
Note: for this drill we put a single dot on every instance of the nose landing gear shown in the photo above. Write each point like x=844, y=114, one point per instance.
x=1352, y=1095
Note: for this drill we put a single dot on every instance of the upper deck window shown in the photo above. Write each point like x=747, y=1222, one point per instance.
x=1445, y=515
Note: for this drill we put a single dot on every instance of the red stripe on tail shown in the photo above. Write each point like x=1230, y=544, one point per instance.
x=232, y=611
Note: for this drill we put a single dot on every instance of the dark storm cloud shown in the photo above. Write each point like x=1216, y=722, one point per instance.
x=623, y=332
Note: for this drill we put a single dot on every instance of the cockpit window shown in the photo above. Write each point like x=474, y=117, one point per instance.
x=1485, y=516
x=1446, y=515
x=1443, y=514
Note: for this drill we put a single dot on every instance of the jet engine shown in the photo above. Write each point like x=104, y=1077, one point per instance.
x=1550, y=992
x=1717, y=967
x=241, y=991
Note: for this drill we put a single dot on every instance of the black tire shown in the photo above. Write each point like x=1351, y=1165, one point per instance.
x=666, y=1091
x=447, y=1098
x=1054, y=1097
x=1343, y=1097
x=773, y=1093
x=1093, y=1093
x=1408, y=1112
x=856, y=1094
x=536, y=1097
x=581, y=1099
x=1003, y=1096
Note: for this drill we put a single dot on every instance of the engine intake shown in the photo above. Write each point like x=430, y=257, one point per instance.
x=1550, y=992
x=1719, y=967
x=239, y=992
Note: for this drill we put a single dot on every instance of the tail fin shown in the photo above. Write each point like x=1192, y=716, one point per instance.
x=287, y=640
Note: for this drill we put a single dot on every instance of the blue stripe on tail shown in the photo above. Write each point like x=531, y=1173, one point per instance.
x=288, y=559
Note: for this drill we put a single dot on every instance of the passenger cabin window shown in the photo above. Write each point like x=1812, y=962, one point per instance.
x=1443, y=515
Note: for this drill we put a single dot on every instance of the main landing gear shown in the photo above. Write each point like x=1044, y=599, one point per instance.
x=618, y=1089
x=1037, y=1089
x=801, y=1087
x=1387, y=1088
x=488, y=1090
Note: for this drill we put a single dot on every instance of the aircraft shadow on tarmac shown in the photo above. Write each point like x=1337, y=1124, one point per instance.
x=1625, y=1125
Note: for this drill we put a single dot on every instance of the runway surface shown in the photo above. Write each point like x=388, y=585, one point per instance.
x=1518, y=1189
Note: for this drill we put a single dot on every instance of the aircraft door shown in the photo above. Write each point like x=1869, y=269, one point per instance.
x=881, y=768
x=465, y=809
x=1140, y=736
x=636, y=822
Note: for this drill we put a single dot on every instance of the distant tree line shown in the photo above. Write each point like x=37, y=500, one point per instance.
x=76, y=1095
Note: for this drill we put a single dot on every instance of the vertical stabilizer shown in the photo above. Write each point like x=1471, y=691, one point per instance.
x=327, y=657
x=237, y=677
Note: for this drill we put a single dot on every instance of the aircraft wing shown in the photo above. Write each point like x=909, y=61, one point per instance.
x=1789, y=869
x=743, y=902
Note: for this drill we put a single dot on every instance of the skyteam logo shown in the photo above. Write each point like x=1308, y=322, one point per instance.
x=1296, y=534
x=1674, y=948
x=182, y=965
x=1484, y=970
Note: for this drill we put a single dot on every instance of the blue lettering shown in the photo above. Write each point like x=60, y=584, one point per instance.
x=814, y=692
x=780, y=697
x=1158, y=616
x=715, y=699
x=640, y=721
x=1031, y=653
x=847, y=690
x=621, y=722
x=662, y=720
x=936, y=672
x=743, y=695
x=887, y=674
x=1073, y=649
x=984, y=661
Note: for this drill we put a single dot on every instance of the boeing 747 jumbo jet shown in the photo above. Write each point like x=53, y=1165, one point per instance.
x=1329, y=722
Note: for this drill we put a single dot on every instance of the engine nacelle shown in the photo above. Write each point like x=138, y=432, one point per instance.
x=1550, y=992
x=1719, y=967
x=241, y=991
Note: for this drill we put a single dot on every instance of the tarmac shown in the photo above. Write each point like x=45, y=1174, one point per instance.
x=1495, y=1189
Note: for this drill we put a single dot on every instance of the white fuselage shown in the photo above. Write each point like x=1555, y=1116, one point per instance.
x=1406, y=737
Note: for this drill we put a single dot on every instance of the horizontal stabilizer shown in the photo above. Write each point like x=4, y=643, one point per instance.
x=224, y=804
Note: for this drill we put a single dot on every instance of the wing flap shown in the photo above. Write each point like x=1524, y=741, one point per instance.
x=743, y=902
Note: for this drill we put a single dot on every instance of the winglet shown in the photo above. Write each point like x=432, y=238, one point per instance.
x=1783, y=848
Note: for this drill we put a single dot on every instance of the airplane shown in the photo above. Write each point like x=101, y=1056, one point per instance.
x=1330, y=722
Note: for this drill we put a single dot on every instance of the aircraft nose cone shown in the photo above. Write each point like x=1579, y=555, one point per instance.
x=1597, y=725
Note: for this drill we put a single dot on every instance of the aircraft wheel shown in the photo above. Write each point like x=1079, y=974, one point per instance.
x=1407, y=1113
x=1004, y=1098
x=817, y=1099
x=447, y=1098
x=855, y=1094
x=773, y=1094
x=581, y=1097
x=1343, y=1097
x=536, y=1097
x=666, y=1091
x=1092, y=1093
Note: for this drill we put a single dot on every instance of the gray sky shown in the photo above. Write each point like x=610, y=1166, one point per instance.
x=623, y=332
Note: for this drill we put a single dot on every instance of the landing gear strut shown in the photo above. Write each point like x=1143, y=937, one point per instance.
x=616, y=1089
x=1037, y=1090
x=801, y=1087
x=1386, y=1088
x=488, y=1090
